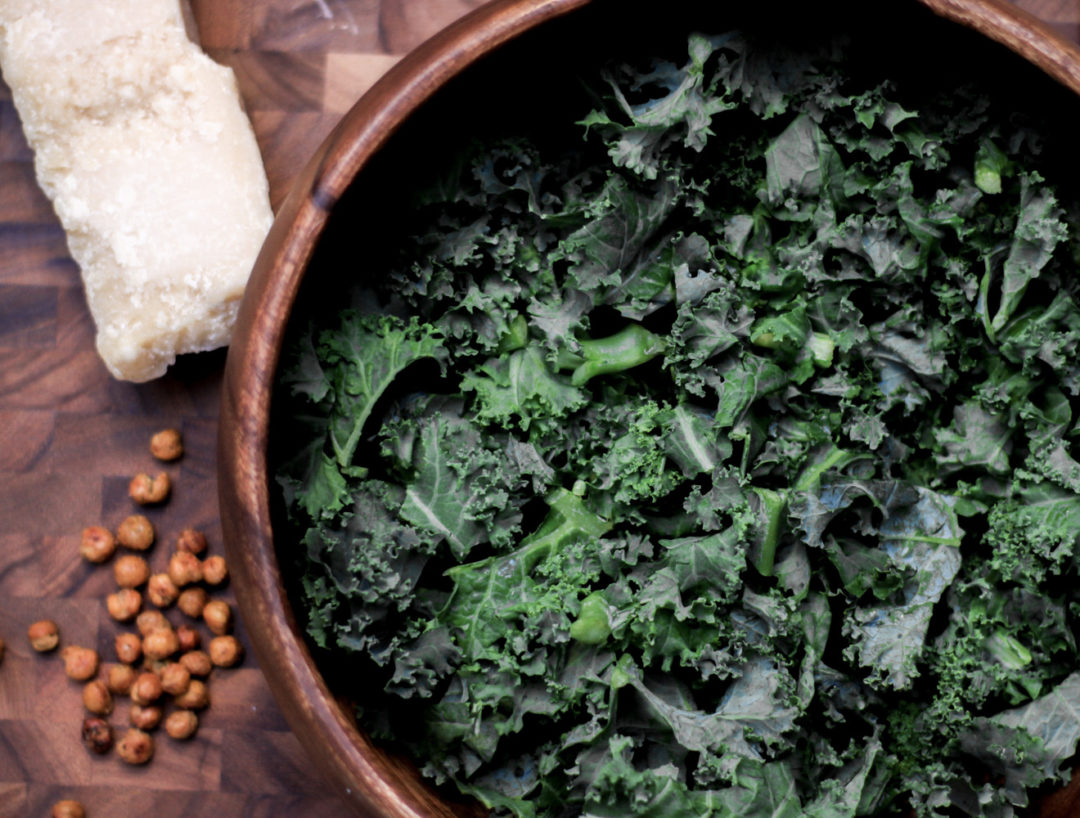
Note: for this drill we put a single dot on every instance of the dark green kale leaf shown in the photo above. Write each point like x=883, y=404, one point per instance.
x=746, y=485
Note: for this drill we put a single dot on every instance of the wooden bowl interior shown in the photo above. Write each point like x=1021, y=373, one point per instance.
x=529, y=88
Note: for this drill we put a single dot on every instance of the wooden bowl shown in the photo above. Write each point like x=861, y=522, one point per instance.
x=369, y=779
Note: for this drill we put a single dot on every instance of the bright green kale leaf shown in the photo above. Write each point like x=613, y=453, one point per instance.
x=1039, y=229
x=755, y=713
x=1053, y=720
x=458, y=492
x=738, y=477
x=362, y=358
x=682, y=113
x=976, y=438
x=520, y=390
x=1032, y=534
x=800, y=164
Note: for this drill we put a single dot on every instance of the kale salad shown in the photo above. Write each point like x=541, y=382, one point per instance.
x=720, y=462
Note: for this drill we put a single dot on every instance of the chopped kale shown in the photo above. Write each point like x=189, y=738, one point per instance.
x=738, y=476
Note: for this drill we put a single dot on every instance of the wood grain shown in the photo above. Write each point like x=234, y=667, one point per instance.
x=70, y=436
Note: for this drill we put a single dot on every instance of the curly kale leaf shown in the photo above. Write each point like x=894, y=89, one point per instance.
x=344, y=374
x=746, y=485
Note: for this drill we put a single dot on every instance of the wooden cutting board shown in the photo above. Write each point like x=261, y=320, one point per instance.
x=71, y=437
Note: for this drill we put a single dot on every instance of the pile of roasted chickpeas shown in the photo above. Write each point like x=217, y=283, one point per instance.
x=161, y=668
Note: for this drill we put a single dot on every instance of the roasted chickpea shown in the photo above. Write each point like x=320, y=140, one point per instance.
x=146, y=689
x=175, y=678
x=161, y=590
x=218, y=616
x=131, y=571
x=197, y=662
x=167, y=445
x=196, y=697
x=68, y=809
x=191, y=541
x=147, y=491
x=124, y=604
x=154, y=666
x=96, y=698
x=97, y=735
x=214, y=570
x=119, y=678
x=44, y=635
x=80, y=663
x=149, y=621
x=97, y=543
x=192, y=601
x=181, y=724
x=185, y=569
x=128, y=647
x=160, y=644
x=145, y=717
x=225, y=651
x=3, y=647
x=188, y=638
x=136, y=747
x=135, y=532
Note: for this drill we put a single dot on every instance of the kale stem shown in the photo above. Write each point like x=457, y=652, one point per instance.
x=835, y=457
x=773, y=506
x=629, y=347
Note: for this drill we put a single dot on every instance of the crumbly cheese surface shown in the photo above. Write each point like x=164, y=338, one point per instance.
x=142, y=144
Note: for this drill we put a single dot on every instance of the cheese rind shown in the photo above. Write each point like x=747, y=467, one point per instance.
x=142, y=144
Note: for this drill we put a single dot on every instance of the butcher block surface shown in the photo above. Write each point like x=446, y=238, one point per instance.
x=71, y=438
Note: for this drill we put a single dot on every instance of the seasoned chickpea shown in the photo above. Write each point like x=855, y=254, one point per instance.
x=128, y=647
x=225, y=651
x=146, y=689
x=161, y=590
x=185, y=569
x=181, y=724
x=153, y=666
x=218, y=616
x=145, y=717
x=135, y=532
x=175, y=678
x=136, y=746
x=68, y=809
x=119, y=678
x=197, y=662
x=44, y=635
x=97, y=735
x=196, y=697
x=80, y=663
x=192, y=601
x=147, y=491
x=3, y=647
x=124, y=604
x=191, y=541
x=167, y=445
x=131, y=571
x=160, y=644
x=96, y=698
x=97, y=543
x=188, y=638
x=214, y=570
x=149, y=621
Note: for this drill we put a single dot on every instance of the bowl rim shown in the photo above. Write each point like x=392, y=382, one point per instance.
x=361, y=775
x=1020, y=31
x=366, y=781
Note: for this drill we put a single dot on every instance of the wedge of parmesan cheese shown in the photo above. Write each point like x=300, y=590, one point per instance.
x=142, y=144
